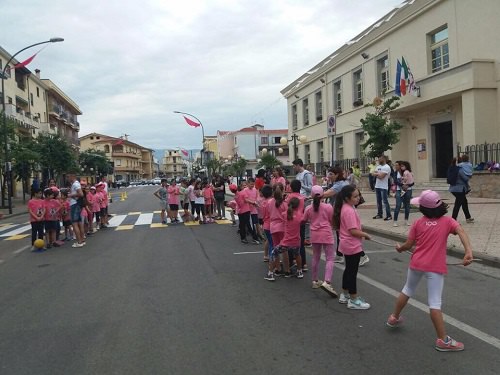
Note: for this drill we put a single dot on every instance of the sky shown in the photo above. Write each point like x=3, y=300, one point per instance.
x=129, y=64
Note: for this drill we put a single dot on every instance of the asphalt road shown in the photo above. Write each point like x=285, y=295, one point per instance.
x=192, y=300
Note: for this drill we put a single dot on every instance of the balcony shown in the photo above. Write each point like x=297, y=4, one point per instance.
x=123, y=154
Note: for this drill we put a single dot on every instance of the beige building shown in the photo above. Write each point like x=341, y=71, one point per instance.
x=131, y=161
x=172, y=164
x=63, y=114
x=451, y=49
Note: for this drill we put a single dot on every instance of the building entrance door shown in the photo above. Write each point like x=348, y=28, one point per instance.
x=443, y=147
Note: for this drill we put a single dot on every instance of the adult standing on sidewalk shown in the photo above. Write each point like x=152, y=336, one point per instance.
x=382, y=174
x=372, y=168
x=75, y=194
x=306, y=183
x=404, y=183
x=459, y=190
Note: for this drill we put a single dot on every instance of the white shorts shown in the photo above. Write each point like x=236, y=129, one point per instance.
x=435, y=283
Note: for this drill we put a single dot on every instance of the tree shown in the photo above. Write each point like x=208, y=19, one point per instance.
x=239, y=167
x=268, y=161
x=96, y=160
x=24, y=158
x=7, y=137
x=382, y=132
x=214, y=166
x=56, y=156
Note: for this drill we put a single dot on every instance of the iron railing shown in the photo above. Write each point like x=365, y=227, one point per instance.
x=486, y=153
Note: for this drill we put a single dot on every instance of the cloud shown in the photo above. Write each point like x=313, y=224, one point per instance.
x=129, y=65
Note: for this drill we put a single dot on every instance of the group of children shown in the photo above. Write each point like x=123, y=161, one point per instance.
x=51, y=207
x=196, y=199
x=279, y=219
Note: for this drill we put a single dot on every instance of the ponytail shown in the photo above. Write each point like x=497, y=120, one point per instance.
x=316, y=202
x=278, y=197
x=340, y=198
x=292, y=206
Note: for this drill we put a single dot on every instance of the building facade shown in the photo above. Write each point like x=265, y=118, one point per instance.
x=173, y=165
x=131, y=162
x=450, y=52
x=249, y=143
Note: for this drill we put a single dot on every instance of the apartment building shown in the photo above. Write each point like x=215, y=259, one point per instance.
x=131, y=161
x=250, y=142
x=173, y=165
x=451, y=55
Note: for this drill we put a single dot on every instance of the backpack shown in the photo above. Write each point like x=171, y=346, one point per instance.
x=452, y=174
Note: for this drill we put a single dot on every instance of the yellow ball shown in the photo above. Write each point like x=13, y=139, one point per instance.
x=39, y=244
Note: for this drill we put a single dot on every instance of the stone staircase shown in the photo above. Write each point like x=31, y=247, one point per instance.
x=436, y=184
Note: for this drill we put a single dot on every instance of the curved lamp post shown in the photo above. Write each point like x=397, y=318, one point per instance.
x=8, y=164
x=202, y=132
x=302, y=139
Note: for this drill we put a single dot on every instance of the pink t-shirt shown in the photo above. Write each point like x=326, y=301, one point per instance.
x=36, y=208
x=66, y=210
x=240, y=199
x=278, y=180
x=253, y=195
x=102, y=198
x=296, y=195
x=173, y=195
x=277, y=216
x=96, y=207
x=52, y=208
x=260, y=212
x=292, y=230
x=349, y=219
x=208, y=194
x=431, y=237
x=265, y=213
x=321, y=223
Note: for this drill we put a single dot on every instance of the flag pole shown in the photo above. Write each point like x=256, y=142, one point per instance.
x=202, y=132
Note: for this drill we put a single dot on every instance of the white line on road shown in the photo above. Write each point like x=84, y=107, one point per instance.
x=21, y=249
x=493, y=341
x=16, y=231
x=249, y=252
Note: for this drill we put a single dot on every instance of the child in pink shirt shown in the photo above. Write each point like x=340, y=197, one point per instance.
x=291, y=238
x=52, y=208
x=66, y=215
x=173, y=201
x=36, y=208
x=346, y=219
x=320, y=217
x=429, y=234
x=266, y=193
x=208, y=194
x=244, y=208
x=96, y=207
x=276, y=209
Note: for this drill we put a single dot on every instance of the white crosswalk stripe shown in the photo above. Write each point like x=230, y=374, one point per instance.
x=117, y=222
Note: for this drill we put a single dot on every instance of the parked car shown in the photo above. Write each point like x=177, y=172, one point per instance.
x=157, y=181
x=121, y=183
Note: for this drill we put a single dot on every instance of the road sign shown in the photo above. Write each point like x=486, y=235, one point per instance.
x=331, y=125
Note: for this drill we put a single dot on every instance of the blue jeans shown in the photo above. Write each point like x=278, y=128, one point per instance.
x=405, y=200
x=382, y=197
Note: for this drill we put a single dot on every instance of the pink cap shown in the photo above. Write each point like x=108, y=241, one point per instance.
x=316, y=190
x=427, y=199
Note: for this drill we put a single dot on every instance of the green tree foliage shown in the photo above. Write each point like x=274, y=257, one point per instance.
x=56, y=155
x=214, y=166
x=24, y=159
x=239, y=166
x=96, y=160
x=382, y=132
x=268, y=161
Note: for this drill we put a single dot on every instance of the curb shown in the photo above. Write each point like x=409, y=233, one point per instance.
x=451, y=251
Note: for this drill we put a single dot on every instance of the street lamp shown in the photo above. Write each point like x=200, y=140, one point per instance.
x=302, y=139
x=8, y=164
x=202, y=132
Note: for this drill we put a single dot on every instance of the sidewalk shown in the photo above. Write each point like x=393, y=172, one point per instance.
x=484, y=233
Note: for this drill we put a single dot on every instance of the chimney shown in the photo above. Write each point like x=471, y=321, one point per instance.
x=37, y=72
